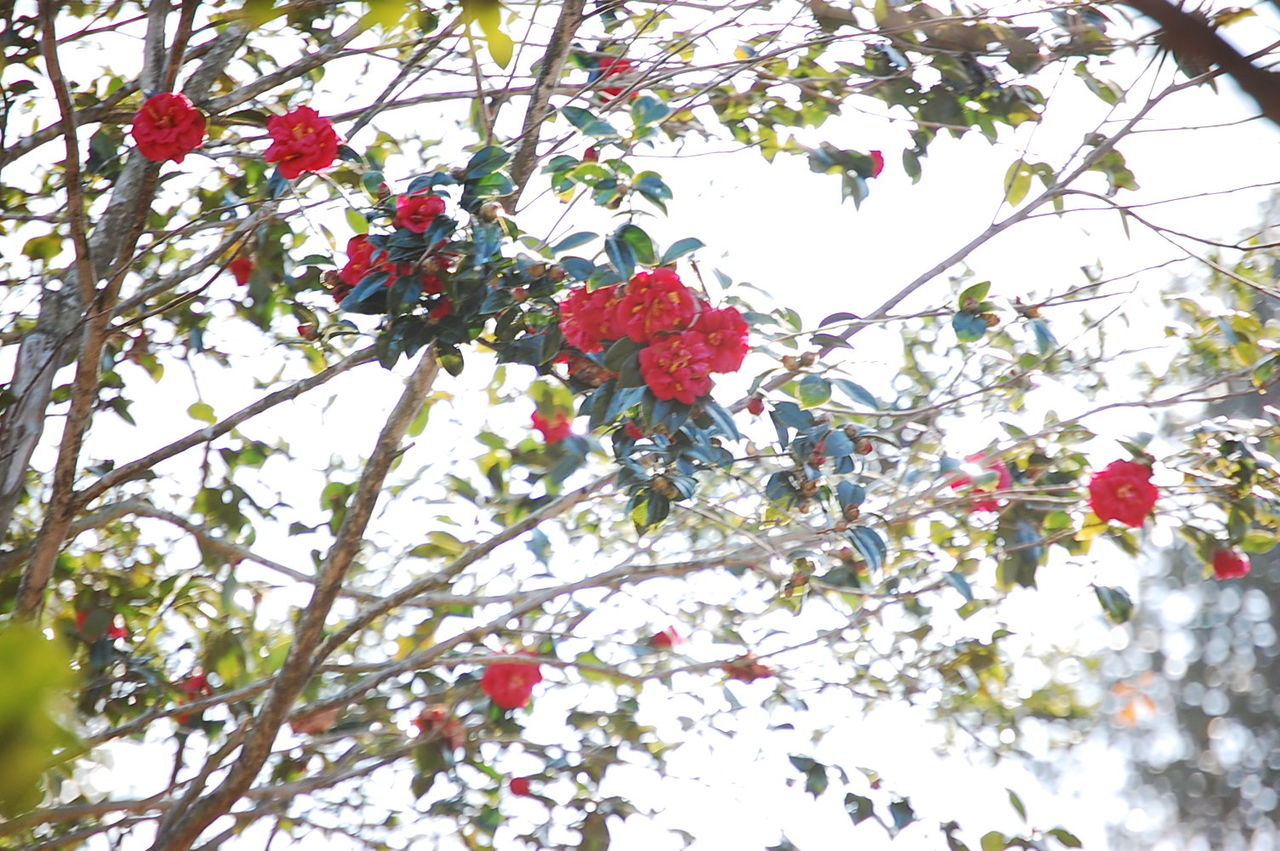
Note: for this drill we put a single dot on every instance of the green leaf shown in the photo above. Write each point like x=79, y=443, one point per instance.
x=858, y=807
x=679, y=248
x=1017, y=180
x=356, y=220
x=813, y=390
x=1115, y=602
x=485, y=162
x=994, y=841
x=647, y=110
x=640, y=243
x=958, y=581
x=968, y=326
x=1016, y=803
x=869, y=545
x=488, y=13
x=573, y=241
x=588, y=123
x=1066, y=837
x=621, y=255
x=203, y=412
x=856, y=392
x=33, y=680
x=901, y=813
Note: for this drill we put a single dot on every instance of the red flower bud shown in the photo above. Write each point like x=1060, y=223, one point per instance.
x=241, y=268
x=519, y=786
x=755, y=405
x=666, y=639
x=1230, y=564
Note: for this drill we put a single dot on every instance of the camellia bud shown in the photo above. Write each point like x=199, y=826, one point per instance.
x=808, y=359
x=307, y=331
x=458, y=173
x=864, y=446
x=519, y=294
x=790, y=362
x=383, y=192
x=755, y=405
x=851, y=513
x=663, y=485
x=537, y=270
x=991, y=319
x=556, y=273
x=491, y=211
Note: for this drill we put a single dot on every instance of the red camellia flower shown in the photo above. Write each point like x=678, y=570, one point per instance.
x=666, y=639
x=726, y=334
x=877, y=161
x=519, y=786
x=441, y=310
x=586, y=318
x=1004, y=481
x=416, y=212
x=656, y=302
x=1230, y=564
x=168, y=127
x=193, y=688
x=1123, y=491
x=677, y=367
x=241, y=268
x=614, y=66
x=301, y=141
x=363, y=258
x=553, y=431
x=510, y=684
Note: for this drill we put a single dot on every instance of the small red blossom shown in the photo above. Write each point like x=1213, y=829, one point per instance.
x=556, y=430
x=633, y=431
x=438, y=721
x=747, y=669
x=677, y=367
x=519, y=786
x=441, y=310
x=755, y=405
x=587, y=318
x=656, y=302
x=591, y=155
x=726, y=334
x=301, y=141
x=1230, y=564
x=614, y=66
x=666, y=639
x=510, y=684
x=877, y=163
x=589, y=372
x=193, y=687
x=364, y=258
x=416, y=212
x=1004, y=481
x=1123, y=491
x=168, y=127
x=114, y=629
x=241, y=268
x=307, y=331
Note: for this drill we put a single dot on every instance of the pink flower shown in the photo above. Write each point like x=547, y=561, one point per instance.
x=1230, y=564
x=510, y=684
x=553, y=431
x=416, y=212
x=301, y=141
x=168, y=127
x=241, y=268
x=1123, y=491
x=677, y=367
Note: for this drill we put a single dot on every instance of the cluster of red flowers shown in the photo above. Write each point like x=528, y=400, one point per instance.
x=364, y=258
x=614, y=66
x=168, y=127
x=685, y=339
x=1123, y=491
x=510, y=684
